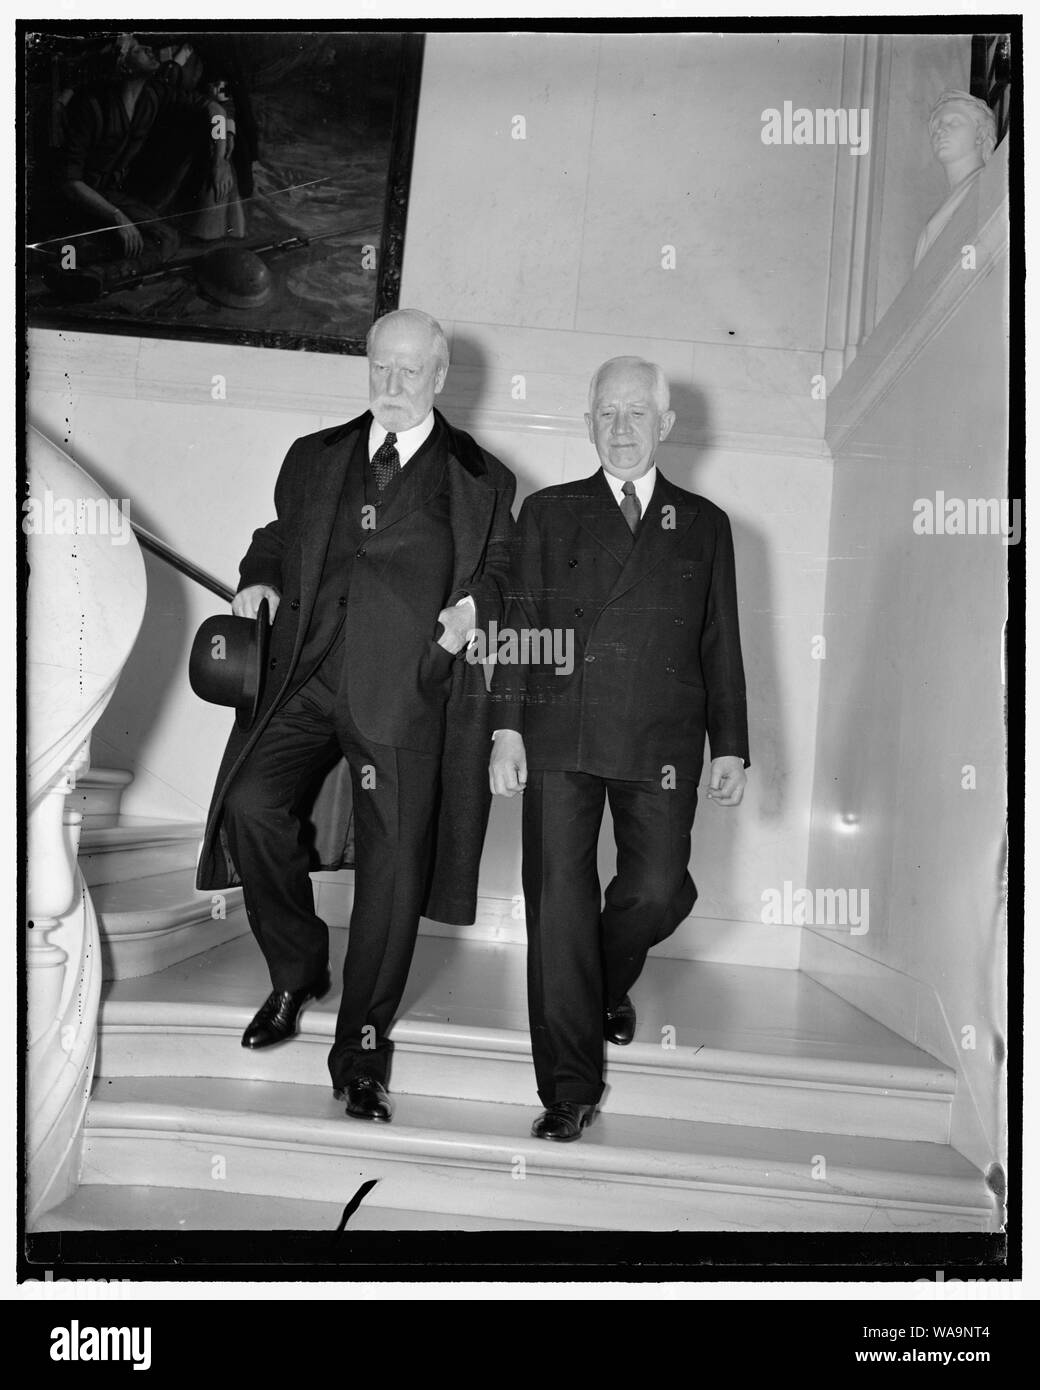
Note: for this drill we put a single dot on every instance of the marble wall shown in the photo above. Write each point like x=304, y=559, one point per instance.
x=631, y=143
x=909, y=798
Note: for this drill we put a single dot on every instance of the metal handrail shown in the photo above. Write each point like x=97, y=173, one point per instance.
x=152, y=542
x=186, y=567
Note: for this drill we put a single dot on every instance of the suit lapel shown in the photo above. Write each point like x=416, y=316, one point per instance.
x=412, y=489
x=409, y=491
x=322, y=491
x=471, y=501
x=668, y=515
x=471, y=506
x=355, y=453
x=596, y=509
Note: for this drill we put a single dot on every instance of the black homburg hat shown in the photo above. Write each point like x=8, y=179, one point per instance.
x=228, y=662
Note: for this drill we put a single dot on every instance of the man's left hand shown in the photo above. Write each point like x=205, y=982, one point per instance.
x=728, y=780
x=458, y=624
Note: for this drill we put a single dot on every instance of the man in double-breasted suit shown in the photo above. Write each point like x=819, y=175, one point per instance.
x=389, y=549
x=642, y=573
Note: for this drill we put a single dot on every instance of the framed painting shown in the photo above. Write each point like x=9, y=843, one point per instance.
x=242, y=185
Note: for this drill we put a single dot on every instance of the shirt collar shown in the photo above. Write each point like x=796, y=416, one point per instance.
x=409, y=442
x=644, y=486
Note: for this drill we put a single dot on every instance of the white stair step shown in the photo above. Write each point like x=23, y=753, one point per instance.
x=96, y=1207
x=98, y=794
x=768, y=1048
x=137, y=847
x=148, y=924
x=474, y=1159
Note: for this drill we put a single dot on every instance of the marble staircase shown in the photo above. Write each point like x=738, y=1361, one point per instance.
x=141, y=873
x=752, y=1099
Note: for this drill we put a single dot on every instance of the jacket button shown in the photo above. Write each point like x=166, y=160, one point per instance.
x=590, y=657
x=360, y=553
x=571, y=564
x=679, y=622
x=342, y=602
x=274, y=662
x=579, y=612
x=295, y=603
x=670, y=669
x=687, y=574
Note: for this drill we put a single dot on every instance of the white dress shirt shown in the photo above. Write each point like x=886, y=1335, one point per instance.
x=644, y=487
x=409, y=442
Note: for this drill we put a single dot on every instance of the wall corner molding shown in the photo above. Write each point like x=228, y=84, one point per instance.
x=852, y=275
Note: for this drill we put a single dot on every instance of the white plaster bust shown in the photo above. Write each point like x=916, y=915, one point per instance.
x=963, y=132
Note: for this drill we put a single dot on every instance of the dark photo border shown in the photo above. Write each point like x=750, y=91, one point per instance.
x=348, y=1255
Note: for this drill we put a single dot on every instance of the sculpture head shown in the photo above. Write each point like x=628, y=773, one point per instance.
x=628, y=414
x=963, y=130
x=407, y=364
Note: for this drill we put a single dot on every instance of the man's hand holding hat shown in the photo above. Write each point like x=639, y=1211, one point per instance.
x=246, y=603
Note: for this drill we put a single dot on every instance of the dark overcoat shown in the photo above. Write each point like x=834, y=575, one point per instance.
x=403, y=688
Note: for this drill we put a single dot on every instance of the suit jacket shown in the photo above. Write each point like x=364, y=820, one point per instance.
x=656, y=641
x=403, y=688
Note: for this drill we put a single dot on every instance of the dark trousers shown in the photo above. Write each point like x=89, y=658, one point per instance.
x=583, y=957
x=394, y=794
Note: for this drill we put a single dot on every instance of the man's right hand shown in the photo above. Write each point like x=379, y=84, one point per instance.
x=246, y=602
x=130, y=238
x=508, y=767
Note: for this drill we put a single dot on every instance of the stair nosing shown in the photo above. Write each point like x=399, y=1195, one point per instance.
x=751, y=1067
x=113, y=1119
x=84, y=1193
x=158, y=922
x=103, y=839
x=104, y=777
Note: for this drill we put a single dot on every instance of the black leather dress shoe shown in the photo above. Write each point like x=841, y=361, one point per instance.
x=563, y=1121
x=366, y=1099
x=619, y=1024
x=275, y=1020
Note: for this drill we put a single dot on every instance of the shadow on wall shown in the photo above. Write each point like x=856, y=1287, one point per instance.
x=767, y=712
x=692, y=430
x=467, y=395
x=755, y=591
x=856, y=793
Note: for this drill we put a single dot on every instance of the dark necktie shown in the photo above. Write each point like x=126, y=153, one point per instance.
x=386, y=462
x=630, y=508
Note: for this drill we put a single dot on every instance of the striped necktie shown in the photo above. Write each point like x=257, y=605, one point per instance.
x=386, y=462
